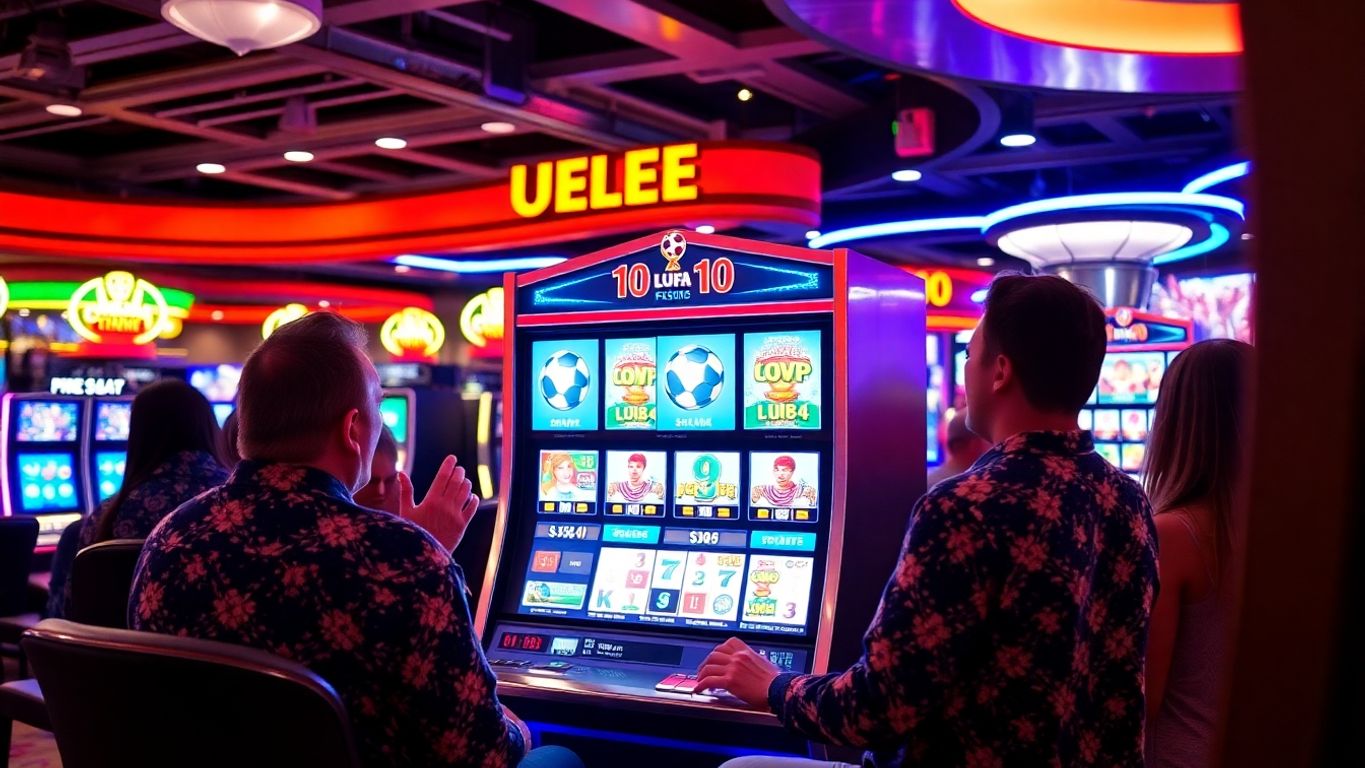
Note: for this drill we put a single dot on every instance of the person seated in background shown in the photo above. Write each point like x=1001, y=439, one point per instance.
x=964, y=447
x=1013, y=630
x=382, y=491
x=173, y=456
x=282, y=558
x=1194, y=462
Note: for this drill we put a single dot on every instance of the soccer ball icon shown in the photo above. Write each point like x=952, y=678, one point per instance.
x=694, y=377
x=564, y=380
x=673, y=246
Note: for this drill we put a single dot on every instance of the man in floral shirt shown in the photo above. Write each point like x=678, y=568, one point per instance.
x=1014, y=629
x=281, y=558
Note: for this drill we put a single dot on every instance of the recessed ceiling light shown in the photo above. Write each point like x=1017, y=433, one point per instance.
x=298, y=156
x=211, y=168
x=706, y=229
x=744, y=94
x=402, y=269
x=324, y=303
x=216, y=314
x=907, y=175
x=985, y=261
x=64, y=110
x=811, y=234
x=499, y=126
x=1018, y=140
x=390, y=142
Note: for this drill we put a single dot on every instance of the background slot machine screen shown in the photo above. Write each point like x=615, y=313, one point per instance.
x=1131, y=377
x=47, y=482
x=218, y=383
x=221, y=411
x=394, y=410
x=109, y=466
x=112, y=420
x=681, y=481
x=44, y=421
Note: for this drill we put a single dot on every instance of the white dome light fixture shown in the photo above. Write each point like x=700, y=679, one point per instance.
x=246, y=25
x=64, y=110
x=1068, y=242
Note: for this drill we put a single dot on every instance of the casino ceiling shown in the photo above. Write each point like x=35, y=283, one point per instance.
x=557, y=77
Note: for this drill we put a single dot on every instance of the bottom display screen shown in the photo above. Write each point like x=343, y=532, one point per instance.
x=47, y=482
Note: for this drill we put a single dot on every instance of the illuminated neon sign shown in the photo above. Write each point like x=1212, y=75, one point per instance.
x=117, y=308
x=4, y=296
x=648, y=176
x=481, y=320
x=286, y=314
x=413, y=333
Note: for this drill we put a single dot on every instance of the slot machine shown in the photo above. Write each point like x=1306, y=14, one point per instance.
x=705, y=437
x=397, y=408
x=1141, y=346
x=107, y=447
x=43, y=469
x=218, y=384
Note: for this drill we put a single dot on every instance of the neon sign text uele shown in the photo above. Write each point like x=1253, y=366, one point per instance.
x=645, y=176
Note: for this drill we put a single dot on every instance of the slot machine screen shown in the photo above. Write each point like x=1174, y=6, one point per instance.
x=109, y=466
x=112, y=420
x=47, y=482
x=221, y=411
x=217, y=383
x=394, y=410
x=46, y=421
x=1131, y=377
x=681, y=481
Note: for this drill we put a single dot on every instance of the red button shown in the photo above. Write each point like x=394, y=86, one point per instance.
x=670, y=683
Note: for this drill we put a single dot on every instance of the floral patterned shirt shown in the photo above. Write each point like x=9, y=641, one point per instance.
x=280, y=558
x=1014, y=630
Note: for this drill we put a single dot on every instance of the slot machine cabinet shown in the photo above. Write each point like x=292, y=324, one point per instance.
x=704, y=437
x=43, y=464
x=106, y=446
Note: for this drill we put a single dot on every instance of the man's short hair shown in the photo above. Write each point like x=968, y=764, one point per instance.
x=1052, y=331
x=785, y=461
x=298, y=385
x=637, y=458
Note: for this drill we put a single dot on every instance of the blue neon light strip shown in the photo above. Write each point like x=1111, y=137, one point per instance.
x=1114, y=199
x=1214, y=178
x=542, y=297
x=911, y=227
x=1218, y=236
x=807, y=280
x=477, y=266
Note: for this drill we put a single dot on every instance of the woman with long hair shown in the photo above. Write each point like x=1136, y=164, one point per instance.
x=173, y=456
x=1194, y=462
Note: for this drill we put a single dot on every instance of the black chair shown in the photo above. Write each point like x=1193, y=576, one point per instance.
x=101, y=578
x=18, y=536
x=121, y=698
x=21, y=701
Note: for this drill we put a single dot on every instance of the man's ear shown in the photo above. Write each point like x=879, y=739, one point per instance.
x=350, y=433
x=1002, y=374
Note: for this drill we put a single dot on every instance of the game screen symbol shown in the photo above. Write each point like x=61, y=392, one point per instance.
x=568, y=482
x=784, y=487
x=636, y=483
x=706, y=485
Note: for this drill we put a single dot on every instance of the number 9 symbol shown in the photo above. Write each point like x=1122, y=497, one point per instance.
x=707, y=470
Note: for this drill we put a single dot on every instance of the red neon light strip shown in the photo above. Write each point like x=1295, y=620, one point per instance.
x=681, y=313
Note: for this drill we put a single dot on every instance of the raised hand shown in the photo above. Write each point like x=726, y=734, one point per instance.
x=446, y=509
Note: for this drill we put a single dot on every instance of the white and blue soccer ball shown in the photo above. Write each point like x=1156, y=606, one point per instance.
x=564, y=380
x=694, y=377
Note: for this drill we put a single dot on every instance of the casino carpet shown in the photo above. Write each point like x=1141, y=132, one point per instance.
x=32, y=748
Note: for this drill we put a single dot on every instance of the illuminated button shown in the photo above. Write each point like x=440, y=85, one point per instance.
x=687, y=685
x=548, y=506
x=722, y=513
x=802, y=514
x=670, y=682
x=687, y=511
x=650, y=509
x=764, y=514
x=581, y=508
x=616, y=509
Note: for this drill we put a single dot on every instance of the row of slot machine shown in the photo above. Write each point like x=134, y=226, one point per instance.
x=1141, y=347
x=62, y=456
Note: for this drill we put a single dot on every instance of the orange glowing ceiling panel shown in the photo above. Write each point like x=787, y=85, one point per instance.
x=1132, y=26
x=734, y=182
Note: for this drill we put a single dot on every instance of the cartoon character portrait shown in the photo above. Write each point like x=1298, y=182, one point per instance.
x=785, y=490
x=637, y=482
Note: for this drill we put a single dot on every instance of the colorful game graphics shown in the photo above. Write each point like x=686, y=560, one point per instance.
x=779, y=589
x=622, y=583
x=568, y=482
x=694, y=391
x=636, y=483
x=1131, y=377
x=112, y=421
x=706, y=485
x=566, y=374
x=632, y=392
x=554, y=595
x=47, y=482
x=109, y=467
x=709, y=590
x=783, y=487
x=47, y=422
x=782, y=384
x=1135, y=425
x=1106, y=426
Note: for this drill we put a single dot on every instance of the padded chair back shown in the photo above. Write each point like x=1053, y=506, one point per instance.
x=121, y=698
x=101, y=577
x=18, y=536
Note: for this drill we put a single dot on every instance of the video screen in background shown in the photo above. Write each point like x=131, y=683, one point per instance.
x=1131, y=377
x=1219, y=307
x=112, y=420
x=47, y=482
x=218, y=383
x=45, y=421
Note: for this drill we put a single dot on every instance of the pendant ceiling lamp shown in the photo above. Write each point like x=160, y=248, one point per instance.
x=246, y=25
